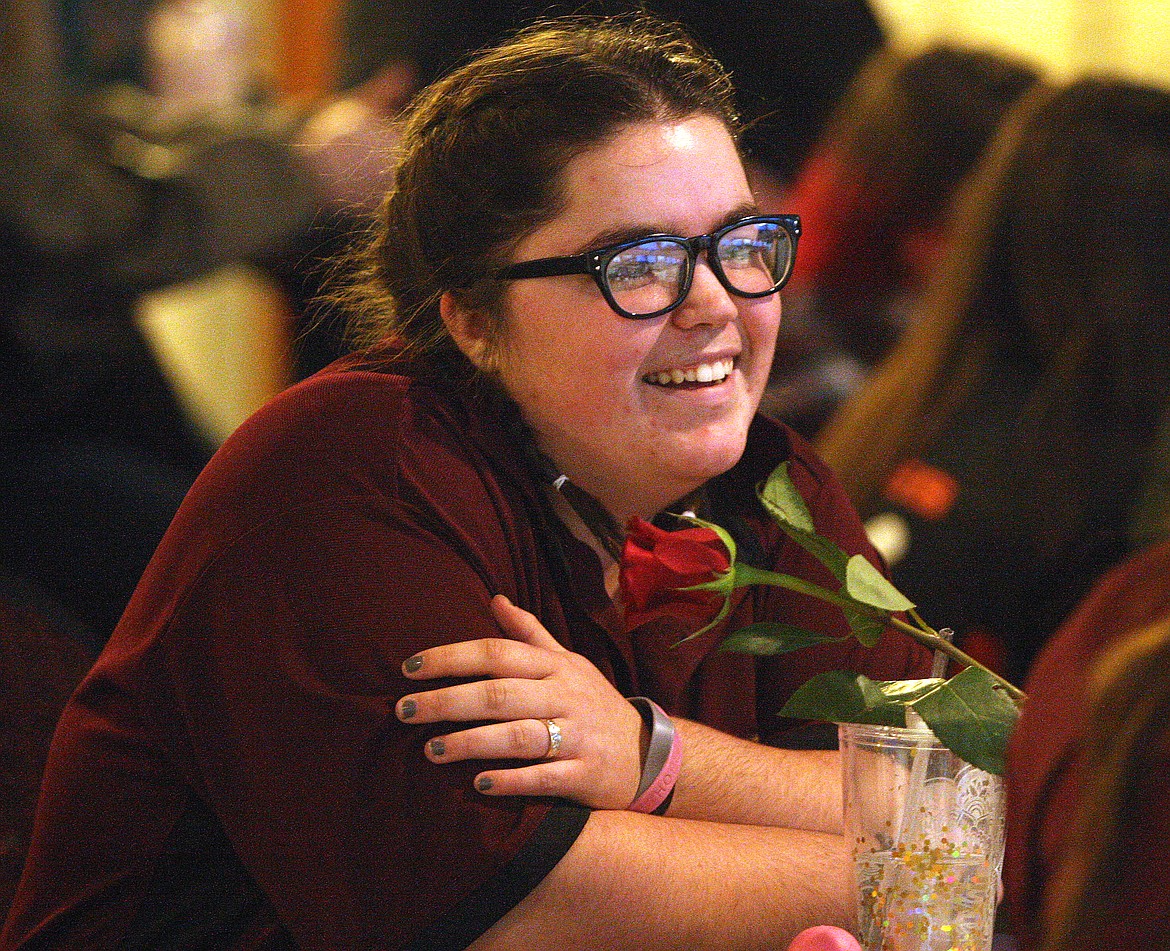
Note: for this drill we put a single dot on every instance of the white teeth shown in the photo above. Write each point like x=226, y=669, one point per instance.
x=702, y=373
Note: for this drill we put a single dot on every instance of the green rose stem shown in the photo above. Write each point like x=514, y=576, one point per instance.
x=973, y=713
x=744, y=575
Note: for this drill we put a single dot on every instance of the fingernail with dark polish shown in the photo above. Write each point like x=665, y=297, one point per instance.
x=483, y=784
x=437, y=747
x=413, y=665
x=407, y=709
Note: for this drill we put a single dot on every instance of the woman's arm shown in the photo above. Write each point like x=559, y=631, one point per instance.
x=726, y=779
x=531, y=678
x=643, y=882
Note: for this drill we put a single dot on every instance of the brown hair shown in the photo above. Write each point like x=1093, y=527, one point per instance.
x=916, y=125
x=1058, y=260
x=909, y=130
x=482, y=156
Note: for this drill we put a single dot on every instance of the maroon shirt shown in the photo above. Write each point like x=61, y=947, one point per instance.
x=233, y=767
x=1043, y=782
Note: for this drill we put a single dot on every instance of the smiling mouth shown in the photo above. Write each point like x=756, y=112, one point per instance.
x=702, y=374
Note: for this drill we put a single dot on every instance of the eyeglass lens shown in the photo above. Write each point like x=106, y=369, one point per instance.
x=652, y=276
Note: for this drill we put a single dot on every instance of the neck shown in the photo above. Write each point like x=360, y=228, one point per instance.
x=610, y=565
x=621, y=505
x=593, y=523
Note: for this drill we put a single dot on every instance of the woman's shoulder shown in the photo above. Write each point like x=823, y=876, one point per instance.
x=345, y=405
x=355, y=473
x=351, y=416
x=351, y=434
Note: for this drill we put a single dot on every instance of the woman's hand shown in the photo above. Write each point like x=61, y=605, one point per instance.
x=530, y=679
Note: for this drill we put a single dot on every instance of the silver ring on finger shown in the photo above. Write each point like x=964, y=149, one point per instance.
x=554, y=739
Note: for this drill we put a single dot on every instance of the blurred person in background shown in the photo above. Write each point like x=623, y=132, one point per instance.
x=1088, y=772
x=875, y=192
x=1010, y=439
x=108, y=190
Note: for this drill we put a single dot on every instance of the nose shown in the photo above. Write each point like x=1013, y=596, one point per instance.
x=708, y=301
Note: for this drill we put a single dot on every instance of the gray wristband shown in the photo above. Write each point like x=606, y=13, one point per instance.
x=661, y=741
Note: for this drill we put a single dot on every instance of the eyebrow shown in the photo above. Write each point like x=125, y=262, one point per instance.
x=633, y=233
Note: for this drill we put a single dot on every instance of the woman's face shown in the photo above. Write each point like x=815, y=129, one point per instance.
x=589, y=381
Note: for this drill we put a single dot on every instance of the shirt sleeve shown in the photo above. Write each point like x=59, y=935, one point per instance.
x=275, y=689
x=1045, y=753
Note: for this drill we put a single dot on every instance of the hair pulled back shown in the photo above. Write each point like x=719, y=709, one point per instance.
x=482, y=157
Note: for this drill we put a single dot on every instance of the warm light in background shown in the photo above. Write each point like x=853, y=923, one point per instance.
x=1067, y=37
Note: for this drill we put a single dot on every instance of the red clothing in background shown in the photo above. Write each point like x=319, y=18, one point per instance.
x=1043, y=782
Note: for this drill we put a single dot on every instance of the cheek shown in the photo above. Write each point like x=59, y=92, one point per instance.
x=552, y=374
x=762, y=326
x=572, y=352
x=768, y=321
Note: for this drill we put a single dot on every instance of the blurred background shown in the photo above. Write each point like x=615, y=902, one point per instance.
x=225, y=361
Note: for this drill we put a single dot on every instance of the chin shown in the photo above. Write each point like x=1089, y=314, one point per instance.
x=712, y=455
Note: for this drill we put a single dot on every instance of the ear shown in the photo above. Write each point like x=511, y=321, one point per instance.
x=468, y=328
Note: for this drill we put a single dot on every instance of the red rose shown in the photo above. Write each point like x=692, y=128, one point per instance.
x=657, y=563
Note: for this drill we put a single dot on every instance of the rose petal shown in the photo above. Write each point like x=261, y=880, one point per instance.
x=657, y=563
x=689, y=558
x=638, y=576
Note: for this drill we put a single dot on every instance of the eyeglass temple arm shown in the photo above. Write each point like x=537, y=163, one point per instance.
x=548, y=267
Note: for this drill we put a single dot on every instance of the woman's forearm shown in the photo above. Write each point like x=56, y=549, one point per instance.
x=727, y=779
x=646, y=882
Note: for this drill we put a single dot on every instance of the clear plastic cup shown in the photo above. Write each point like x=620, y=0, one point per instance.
x=927, y=833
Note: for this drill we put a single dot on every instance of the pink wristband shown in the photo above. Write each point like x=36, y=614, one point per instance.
x=654, y=799
x=654, y=795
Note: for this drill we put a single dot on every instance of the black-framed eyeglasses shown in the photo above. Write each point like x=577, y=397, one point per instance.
x=650, y=276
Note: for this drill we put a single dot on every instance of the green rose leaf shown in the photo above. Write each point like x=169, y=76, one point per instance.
x=906, y=691
x=866, y=584
x=767, y=639
x=781, y=498
x=866, y=629
x=840, y=696
x=972, y=716
x=973, y=713
x=784, y=503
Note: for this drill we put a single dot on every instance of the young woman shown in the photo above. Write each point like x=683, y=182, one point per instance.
x=573, y=306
